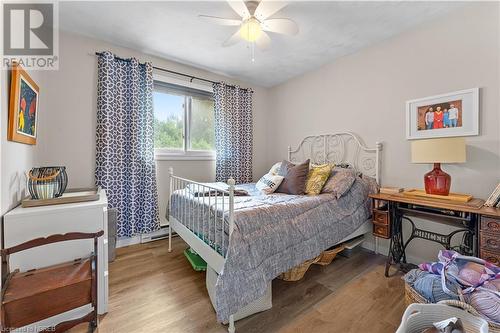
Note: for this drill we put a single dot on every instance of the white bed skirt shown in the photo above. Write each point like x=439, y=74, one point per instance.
x=262, y=304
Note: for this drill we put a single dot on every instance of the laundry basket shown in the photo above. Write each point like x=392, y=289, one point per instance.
x=418, y=317
x=412, y=296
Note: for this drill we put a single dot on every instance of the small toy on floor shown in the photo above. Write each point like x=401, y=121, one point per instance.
x=195, y=260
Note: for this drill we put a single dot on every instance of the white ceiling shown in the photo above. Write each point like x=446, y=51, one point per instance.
x=172, y=30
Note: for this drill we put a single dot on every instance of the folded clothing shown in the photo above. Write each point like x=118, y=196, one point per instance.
x=486, y=302
x=468, y=271
x=429, y=286
x=474, y=280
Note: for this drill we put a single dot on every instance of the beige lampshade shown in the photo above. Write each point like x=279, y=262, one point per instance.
x=441, y=150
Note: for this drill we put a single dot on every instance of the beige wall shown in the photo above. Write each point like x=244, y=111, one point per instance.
x=366, y=93
x=16, y=158
x=68, y=118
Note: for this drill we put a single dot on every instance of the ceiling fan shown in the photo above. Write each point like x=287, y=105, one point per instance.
x=255, y=22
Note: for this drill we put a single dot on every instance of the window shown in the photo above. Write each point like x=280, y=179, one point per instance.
x=183, y=121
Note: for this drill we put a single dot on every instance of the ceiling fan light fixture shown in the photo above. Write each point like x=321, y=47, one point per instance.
x=255, y=23
x=251, y=30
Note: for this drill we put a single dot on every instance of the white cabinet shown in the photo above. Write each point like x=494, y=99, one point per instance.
x=24, y=224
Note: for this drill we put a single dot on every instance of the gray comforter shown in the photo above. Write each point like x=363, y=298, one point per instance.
x=272, y=234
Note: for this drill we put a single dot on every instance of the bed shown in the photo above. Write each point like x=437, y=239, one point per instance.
x=249, y=240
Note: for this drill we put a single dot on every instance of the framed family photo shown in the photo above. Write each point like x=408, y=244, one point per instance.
x=23, y=107
x=446, y=115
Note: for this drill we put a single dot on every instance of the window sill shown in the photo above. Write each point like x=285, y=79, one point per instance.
x=184, y=157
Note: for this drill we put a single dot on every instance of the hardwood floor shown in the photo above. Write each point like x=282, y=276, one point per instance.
x=152, y=290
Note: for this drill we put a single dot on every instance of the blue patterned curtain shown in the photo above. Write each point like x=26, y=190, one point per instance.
x=233, y=133
x=125, y=165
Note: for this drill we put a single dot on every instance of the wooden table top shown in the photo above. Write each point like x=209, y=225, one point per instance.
x=475, y=205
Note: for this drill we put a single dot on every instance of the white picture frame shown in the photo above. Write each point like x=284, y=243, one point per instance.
x=464, y=111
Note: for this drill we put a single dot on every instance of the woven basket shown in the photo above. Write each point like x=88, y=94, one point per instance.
x=419, y=317
x=412, y=296
x=297, y=273
x=326, y=257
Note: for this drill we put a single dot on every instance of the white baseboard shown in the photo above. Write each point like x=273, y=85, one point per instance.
x=127, y=241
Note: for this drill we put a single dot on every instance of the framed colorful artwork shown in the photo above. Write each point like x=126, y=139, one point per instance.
x=446, y=115
x=23, y=107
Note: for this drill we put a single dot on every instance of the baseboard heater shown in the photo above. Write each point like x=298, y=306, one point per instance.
x=157, y=235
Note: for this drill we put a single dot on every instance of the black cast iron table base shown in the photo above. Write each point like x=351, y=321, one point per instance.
x=397, y=248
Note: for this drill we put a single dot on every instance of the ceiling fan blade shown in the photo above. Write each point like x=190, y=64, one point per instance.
x=235, y=38
x=266, y=9
x=264, y=41
x=220, y=20
x=240, y=8
x=281, y=26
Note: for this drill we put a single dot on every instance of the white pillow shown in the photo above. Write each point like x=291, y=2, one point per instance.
x=269, y=183
x=275, y=169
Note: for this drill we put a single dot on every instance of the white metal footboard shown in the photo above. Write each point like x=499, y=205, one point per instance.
x=201, y=218
x=205, y=230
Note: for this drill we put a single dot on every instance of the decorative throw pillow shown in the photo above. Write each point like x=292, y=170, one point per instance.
x=269, y=183
x=275, y=169
x=371, y=183
x=340, y=182
x=295, y=177
x=317, y=177
x=349, y=171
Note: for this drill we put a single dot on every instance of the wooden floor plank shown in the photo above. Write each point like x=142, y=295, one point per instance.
x=152, y=290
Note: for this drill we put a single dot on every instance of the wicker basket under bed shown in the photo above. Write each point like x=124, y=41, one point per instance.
x=326, y=257
x=412, y=296
x=297, y=273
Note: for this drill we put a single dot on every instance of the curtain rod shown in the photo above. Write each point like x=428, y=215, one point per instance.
x=192, y=77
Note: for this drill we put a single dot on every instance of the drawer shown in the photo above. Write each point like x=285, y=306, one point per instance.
x=490, y=241
x=381, y=230
x=380, y=217
x=490, y=224
x=492, y=257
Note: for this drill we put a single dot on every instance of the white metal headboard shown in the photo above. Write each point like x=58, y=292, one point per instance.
x=343, y=147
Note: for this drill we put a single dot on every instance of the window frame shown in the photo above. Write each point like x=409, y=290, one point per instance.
x=185, y=153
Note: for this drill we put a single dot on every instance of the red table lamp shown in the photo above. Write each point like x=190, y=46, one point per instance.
x=437, y=151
